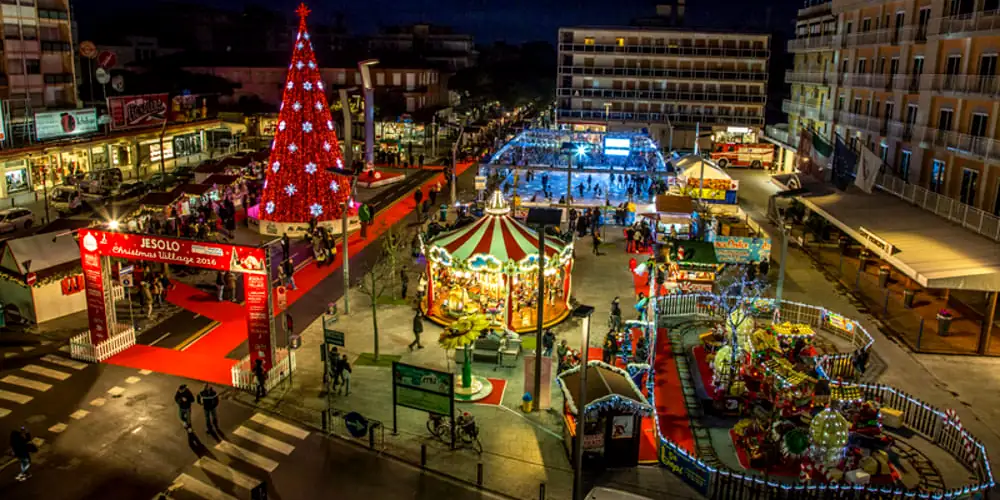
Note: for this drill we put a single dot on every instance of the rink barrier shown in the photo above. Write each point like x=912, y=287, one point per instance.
x=930, y=422
x=243, y=378
x=81, y=348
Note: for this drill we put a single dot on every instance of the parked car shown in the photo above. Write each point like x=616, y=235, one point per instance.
x=13, y=219
x=67, y=200
x=130, y=189
x=157, y=180
x=184, y=174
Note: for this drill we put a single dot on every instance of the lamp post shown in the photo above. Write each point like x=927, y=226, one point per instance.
x=366, y=80
x=583, y=312
x=786, y=231
x=346, y=258
x=454, y=165
x=348, y=127
x=607, y=117
x=541, y=218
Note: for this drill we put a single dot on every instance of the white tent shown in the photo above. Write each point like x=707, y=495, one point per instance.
x=53, y=260
x=690, y=167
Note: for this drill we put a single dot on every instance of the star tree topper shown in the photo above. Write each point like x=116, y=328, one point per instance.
x=299, y=184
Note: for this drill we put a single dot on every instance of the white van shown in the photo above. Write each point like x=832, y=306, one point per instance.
x=610, y=494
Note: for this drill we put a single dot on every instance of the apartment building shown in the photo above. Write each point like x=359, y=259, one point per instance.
x=915, y=81
x=38, y=70
x=436, y=44
x=664, y=79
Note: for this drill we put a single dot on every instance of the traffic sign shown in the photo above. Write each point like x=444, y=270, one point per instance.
x=357, y=425
x=480, y=182
x=282, y=298
x=102, y=75
x=118, y=83
x=31, y=279
x=126, y=280
x=333, y=337
x=88, y=49
x=107, y=59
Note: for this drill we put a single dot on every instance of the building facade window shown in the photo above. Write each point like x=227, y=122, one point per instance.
x=33, y=66
x=970, y=184
x=937, y=176
x=904, y=165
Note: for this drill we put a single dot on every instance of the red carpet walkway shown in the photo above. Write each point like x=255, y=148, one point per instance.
x=669, y=396
x=206, y=359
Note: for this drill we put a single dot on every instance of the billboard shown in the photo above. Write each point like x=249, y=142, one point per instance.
x=238, y=259
x=137, y=111
x=742, y=249
x=68, y=123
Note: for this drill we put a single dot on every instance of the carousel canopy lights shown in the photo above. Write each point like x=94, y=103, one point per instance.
x=497, y=204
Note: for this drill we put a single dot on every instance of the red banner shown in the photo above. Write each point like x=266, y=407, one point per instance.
x=258, y=319
x=137, y=111
x=93, y=281
x=238, y=259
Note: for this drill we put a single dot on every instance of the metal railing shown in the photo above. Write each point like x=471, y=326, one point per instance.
x=679, y=74
x=907, y=83
x=781, y=134
x=811, y=77
x=888, y=36
x=951, y=209
x=982, y=148
x=859, y=121
x=821, y=42
x=867, y=80
x=665, y=95
x=663, y=50
x=283, y=364
x=963, y=84
x=973, y=21
x=675, y=118
x=810, y=110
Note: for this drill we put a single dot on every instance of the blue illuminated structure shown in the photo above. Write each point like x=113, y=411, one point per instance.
x=634, y=152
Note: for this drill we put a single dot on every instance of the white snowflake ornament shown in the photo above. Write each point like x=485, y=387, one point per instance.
x=307, y=35
x=307, y=127
x=281, y=125
x=319, y=85
x=340, y=163
x=290, y=190
x=326, y=146
x=297, y=106
x=310, y=168
x=316, y=209
x=319, y=106
x=299, y=46
x=275, y=166
x=292, y=148
x=269, y=207
x=307, y=86
x=290, y=85
x=299, y=65
x=312, y=65
x=329, y=124
x=334, y=186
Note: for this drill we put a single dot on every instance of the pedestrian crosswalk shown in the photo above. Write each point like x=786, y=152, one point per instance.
x=25, y=384
x=240, y=461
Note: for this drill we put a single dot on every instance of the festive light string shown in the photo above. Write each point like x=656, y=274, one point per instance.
x=609, y=401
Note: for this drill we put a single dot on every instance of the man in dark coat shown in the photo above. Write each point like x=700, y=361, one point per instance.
x=209, y=401
x=184, y=398
x=418, y=328
x=21, y=445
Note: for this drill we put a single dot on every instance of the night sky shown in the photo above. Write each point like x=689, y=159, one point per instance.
x=513, y=21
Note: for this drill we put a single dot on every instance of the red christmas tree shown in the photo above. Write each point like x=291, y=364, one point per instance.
x=299, y=185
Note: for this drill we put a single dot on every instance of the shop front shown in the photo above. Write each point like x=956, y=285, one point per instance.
x=16, y=179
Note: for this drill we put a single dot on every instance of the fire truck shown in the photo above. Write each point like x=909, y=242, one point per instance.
x=744, y=155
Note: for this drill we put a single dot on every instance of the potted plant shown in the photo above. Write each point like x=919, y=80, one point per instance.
x=883, y=276
x=944, y=318
x=908, y=295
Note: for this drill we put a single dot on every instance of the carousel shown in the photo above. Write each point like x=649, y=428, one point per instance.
x=491, y=267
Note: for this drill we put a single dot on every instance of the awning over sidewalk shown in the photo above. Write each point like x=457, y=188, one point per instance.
x=931, y=251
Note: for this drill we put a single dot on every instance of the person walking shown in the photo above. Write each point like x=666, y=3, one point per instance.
x=286, y=246
x=596, y=243
x=548, y=342
x=157, y=291
x=147, y=297
x=289, y=274
x=418, y=196
x=365, y=216
x=561, y=353
x=261, y=375
x=765, y=266
x=231, y=285
x=184, y=398
x=22, y=447
x=209, y=401
x=421, y=288
x=404, y=282
x=345, y=374
x=418, y=328
x=220, y=284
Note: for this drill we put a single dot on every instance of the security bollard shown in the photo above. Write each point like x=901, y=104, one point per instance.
x=479, y=474
x=325, y=420
x=423, y=456
x=541, y=491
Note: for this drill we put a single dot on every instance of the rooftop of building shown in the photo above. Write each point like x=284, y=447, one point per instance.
x=679, y=30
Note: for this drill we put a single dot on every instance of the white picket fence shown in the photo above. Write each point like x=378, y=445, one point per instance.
x=243, y=377
x=122, y=338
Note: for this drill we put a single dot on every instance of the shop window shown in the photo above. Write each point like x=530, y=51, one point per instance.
x=17, y=180
x=33, y=66
x=588, y=41
x=970, y=184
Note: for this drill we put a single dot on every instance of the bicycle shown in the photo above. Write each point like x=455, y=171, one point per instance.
x=466, y=433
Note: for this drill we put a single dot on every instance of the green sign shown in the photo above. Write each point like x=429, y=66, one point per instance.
x=333, y=337
x=420, y=400
x=423, y=389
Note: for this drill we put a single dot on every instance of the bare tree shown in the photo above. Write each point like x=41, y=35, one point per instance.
x=734, y=300
x=392, y=244
x=374, y=283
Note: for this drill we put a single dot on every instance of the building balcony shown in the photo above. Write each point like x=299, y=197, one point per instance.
x=906, y=83
x=55, y=46
x=664, y=51
x=780, y=133
x=891, y=36
x=809, y=77
x=975, y=147
x=664, y=95
x=52, y=14
x=809, y=109
x=903, y=131
x=861, y=121
x=980, y=21
x=812, y=43
x=988, y=86
x=866, y=80
x=58, y=78
x=599, y=115
x=676, y=74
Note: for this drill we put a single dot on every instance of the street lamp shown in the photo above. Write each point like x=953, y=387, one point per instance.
x=348, y=131
x=607, y=116
x=366, y=80
x=583, y=312
x=541, y=218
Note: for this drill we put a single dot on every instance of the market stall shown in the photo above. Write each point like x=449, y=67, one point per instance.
x=225, y=186
x=613, y=411
x=41, y=276
x=193, y=196
x=674, y=218
x=691, y=266
x=159, y=205
x=701, y=178
x=491, y=267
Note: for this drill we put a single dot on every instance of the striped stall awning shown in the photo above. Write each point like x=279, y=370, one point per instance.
x=501, y=236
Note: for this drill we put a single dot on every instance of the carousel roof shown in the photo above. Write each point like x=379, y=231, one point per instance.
x=497, y=234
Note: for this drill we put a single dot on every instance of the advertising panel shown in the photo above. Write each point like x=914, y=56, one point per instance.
x=56, y=124
x=137, y=111
x=742, y=249
x=686, y=468
x=93, y=282
x=238, y=259
x=258, y=319
x=422, y=388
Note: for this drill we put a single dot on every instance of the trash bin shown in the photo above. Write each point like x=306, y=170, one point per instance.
x=944, y=323
x=883, y=276
x=908, y=296
x=526, y=403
